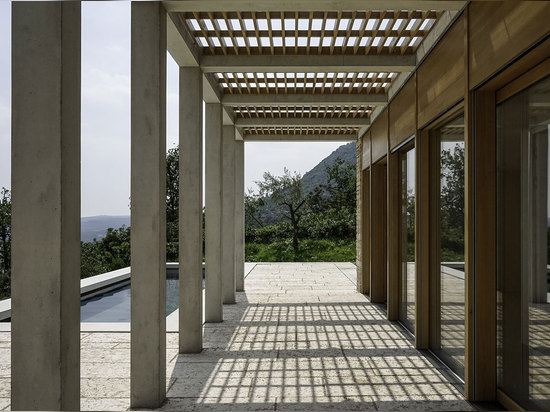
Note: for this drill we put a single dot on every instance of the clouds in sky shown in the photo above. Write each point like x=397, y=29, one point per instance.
x=106, y=113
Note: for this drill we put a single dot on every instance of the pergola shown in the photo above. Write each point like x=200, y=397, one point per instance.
x=315, y=71
x=267, y=70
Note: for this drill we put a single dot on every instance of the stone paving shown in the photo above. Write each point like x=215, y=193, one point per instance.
x=299, y=338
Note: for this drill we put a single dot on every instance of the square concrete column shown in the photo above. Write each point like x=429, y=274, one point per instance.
x=45, y=355
x=213, y=213
x=239, y=214
x=148, y=205
x=228, y=214
x=190, y=211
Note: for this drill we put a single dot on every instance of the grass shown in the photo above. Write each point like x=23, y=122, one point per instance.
x=309, y=250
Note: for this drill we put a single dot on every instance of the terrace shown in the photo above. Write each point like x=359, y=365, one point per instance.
x=434, y=93
x=299, y=338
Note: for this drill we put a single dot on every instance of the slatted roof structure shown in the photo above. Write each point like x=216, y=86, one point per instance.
x=309, y=33
x=310, y=73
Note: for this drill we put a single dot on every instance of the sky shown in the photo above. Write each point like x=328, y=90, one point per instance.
x=105, y=132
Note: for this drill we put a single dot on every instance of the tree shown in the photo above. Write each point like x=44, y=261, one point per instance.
x=252, y=210
x=287, y=192
x=172, y=204
x=339, y=193
x=5, y=243
x=452, y=203
x=341, y=185
x=107, y=254
x=172, y=184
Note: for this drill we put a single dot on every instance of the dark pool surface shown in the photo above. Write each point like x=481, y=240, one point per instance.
x=114, y=306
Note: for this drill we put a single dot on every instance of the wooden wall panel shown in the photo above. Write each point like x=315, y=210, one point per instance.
x=403, y=114
x=500, y=31
x=359, y=213
x=379, y=137
x=378, y=274
x=440, y=78
x=365, y=232
x=365, y=162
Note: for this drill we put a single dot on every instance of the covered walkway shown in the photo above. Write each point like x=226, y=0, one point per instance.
x=299, y=338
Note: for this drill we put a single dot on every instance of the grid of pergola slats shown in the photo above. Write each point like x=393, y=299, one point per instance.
x=324, y=83
x=296, y=112
x=312, y=33
x=281, y=130
x=309, y=33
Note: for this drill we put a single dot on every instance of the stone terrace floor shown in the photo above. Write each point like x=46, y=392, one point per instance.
x=299, y=338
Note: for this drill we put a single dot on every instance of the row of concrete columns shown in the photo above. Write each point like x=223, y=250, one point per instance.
x=46, y=207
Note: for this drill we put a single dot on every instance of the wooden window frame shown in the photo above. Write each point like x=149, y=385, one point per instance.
x=395, y=226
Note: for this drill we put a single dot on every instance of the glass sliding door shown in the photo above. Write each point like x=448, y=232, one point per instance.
x=523, y=246
x=407, y=272
x=447, y=282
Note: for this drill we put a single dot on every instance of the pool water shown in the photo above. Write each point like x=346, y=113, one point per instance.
x=114, y=305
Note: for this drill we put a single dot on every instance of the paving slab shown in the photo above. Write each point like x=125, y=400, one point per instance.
x=299, y=338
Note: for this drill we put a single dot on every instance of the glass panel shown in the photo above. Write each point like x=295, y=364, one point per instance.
x=407, y=277
x=523, y=253
x=447, y=314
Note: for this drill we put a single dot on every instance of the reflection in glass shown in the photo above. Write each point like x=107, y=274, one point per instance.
x=523, y=253
x=407, y=280
x=447, y=337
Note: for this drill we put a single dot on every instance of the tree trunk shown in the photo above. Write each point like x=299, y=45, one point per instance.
x=294, y=223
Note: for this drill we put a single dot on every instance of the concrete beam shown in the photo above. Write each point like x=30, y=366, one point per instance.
x=292, y=5
x=304, y=99
x=148, y=194
x=184, y=51
x=300, y=137
x=190, y=210
x=308, y=64
x=228, y=214
x=213, y=199
x=45, y=328
x=238, y=134
x=179, y=43
x=301, y=121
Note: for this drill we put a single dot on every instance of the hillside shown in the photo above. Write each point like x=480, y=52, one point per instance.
x=318, y=175
x=315, y=177
x=96, y=226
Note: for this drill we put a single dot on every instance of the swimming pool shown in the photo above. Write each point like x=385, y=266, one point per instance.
x=114, y=305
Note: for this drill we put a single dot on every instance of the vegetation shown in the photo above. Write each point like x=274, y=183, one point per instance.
x=286, y=191
x=172, y=204
x=452, y=204
x=5, y=243
x=317, y=226
x=110, y=253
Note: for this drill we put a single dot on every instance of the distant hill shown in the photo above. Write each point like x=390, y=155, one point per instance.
x=96, y=226
x=318, y=175
x=315, y=177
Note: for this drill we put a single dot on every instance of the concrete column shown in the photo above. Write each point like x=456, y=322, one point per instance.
x=239, y=214
x=148, y=200
x=228, y=214
x=213, y=213
x=190, y=211
x=45, y=353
